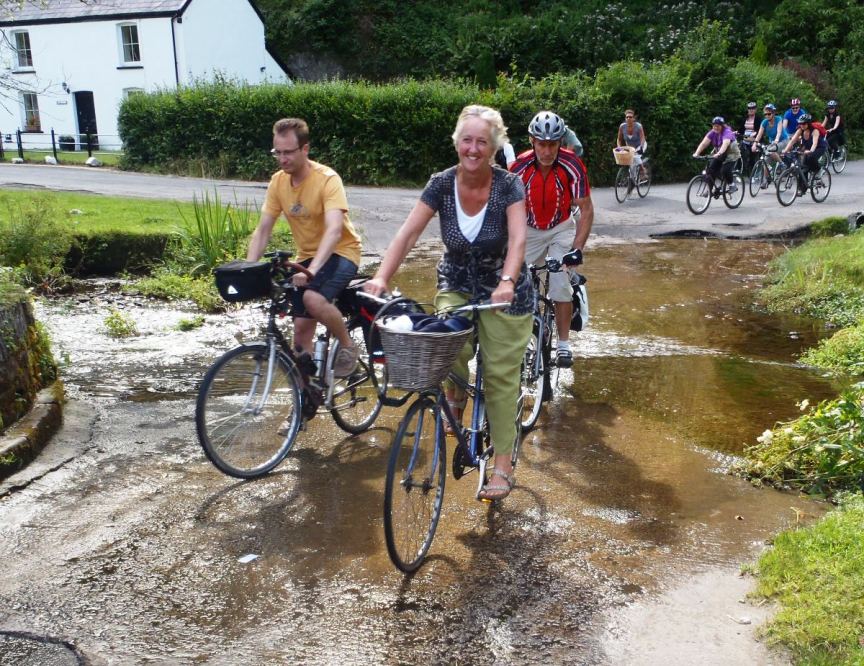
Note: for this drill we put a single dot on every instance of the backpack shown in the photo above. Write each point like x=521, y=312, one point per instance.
x=819, y=127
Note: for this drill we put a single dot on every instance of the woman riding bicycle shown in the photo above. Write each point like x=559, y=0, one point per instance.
x=812, y=141
x=747, y=130
x=772, y=129
x=726, y=152
x=483, y=225
x=833, y=123
x=631, y=133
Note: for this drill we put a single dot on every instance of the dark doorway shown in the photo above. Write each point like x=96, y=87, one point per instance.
x=85, y=111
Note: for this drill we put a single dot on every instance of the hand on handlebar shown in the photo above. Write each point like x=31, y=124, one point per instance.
x=572, y=258
x=301, y=279
x=375, y=286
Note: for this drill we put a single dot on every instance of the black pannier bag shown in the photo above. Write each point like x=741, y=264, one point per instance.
x=239, y=281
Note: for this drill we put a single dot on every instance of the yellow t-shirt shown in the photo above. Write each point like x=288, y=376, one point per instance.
x=304, y=208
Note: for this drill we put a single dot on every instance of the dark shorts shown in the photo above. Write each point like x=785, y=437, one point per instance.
x=336, y=273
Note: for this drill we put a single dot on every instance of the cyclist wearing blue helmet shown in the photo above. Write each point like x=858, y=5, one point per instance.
x=726, y=151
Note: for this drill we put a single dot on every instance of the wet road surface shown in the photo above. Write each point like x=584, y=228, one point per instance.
x=126, y=542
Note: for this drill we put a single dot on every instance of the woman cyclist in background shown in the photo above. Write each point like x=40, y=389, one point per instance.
x=631, y=133
x=726, y=152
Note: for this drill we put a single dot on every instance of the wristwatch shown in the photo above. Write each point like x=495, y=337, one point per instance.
x=508, y=278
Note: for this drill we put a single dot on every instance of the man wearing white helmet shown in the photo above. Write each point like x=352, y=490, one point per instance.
x=556, y=181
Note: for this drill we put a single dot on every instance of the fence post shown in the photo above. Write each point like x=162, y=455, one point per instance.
x=20, y=145
x=2, y=152
x=53, y=144
x=89, y=145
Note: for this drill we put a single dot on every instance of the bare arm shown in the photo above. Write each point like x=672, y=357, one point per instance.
x=620, y=139
x=702, y=145
x=400, y=246
x=586, y=219
x=261, y=236
x=792, y=141
x=517, y=230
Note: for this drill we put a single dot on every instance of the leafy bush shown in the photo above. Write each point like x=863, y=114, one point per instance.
x=120, y=325
x=34, y=238
x=820, y=452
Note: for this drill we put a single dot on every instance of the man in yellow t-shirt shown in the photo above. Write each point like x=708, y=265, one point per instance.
x=312, y=199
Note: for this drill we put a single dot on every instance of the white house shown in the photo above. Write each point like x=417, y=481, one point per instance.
x=67, y=64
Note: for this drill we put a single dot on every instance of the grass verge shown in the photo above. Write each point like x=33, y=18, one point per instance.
x=817, y=576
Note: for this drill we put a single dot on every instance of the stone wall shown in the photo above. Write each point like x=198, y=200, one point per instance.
x=26, y=363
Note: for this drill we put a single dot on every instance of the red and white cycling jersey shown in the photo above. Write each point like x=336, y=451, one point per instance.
x=550, y=199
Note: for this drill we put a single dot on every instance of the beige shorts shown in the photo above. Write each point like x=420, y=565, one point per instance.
x=555, y=243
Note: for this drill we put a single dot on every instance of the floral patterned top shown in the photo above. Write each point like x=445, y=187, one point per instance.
x=474, y=268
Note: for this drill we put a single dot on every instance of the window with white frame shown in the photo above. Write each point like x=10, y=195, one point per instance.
x=131, y=92
x=130, y=47
x=30, y=102
x=23, y=53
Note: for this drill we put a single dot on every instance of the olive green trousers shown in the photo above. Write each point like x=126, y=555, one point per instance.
x=503, y=338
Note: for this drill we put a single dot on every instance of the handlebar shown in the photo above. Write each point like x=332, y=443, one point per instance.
x=281, y=258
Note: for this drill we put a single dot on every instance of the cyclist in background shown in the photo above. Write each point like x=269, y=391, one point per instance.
x=772, y=129
x=833, y=123
x=504, y=156
x=631, y=133
x=726, y=152
x=812, y=138
x=747, y=130
x=556, y=181
x=792, y=116
x=572, y=142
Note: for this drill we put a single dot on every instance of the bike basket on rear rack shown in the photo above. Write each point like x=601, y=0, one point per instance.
x=239, y=281
x=418, y=360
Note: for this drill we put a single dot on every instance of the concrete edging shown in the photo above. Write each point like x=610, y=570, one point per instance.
x=24, y=439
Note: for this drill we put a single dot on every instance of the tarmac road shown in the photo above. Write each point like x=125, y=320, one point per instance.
x=378, y=212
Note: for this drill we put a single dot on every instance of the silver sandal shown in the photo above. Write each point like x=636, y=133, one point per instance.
x=497, y=487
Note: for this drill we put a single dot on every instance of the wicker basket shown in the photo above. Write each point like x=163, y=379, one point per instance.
x=417, y=360
x=624, y=155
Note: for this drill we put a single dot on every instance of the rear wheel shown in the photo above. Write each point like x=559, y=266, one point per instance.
x=622, y=184
x=787, y=186
x=356, y=401
x=838, y=159
x=414, y=489
x=533, y=377
x=643, y=180
x=733, y=192
x=698, y=194
x=820, y=185
x=245, y=427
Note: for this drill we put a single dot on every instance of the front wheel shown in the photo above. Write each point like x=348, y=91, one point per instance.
x=787, y=186
x=533, y=379
x=622, y=184
x=247, y=421
x=757, y=177
x=820, y=185
x=414, y=490
x=643, y=180
x=698, y=194
x=733, y=192
x=355, y=401
x=838, y=159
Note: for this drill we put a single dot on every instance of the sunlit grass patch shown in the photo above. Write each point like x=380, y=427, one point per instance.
x=817, y=576
x=842, y=353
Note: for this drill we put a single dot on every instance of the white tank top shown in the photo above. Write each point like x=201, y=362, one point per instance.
x=469, y=225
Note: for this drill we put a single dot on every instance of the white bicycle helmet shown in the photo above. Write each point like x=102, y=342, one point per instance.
x=547, y=126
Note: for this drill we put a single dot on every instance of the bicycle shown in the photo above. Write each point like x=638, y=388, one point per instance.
x=702, y=189
x=633, y=177
x=539, y=372
x=765, y=168
x=838, y=158
x=791, y=182
x=255, y=398
x=416, y=468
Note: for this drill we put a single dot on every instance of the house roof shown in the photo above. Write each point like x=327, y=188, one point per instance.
x=68, y=11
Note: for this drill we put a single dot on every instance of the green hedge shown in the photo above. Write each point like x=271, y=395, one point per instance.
x=400, y=133
x=113, y=252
